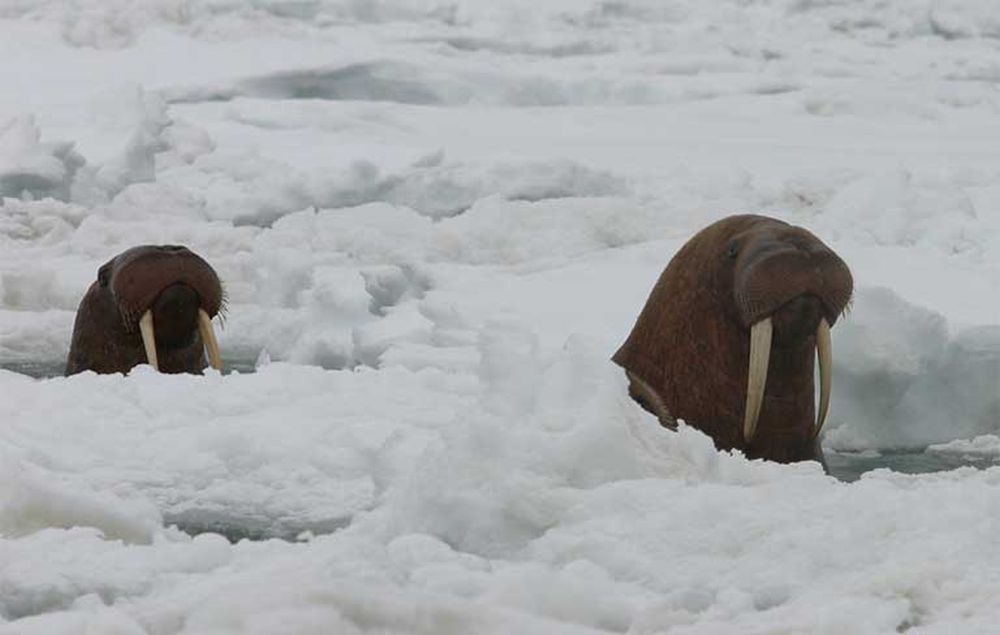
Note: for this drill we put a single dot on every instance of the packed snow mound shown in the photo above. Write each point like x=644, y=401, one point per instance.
x=541, y=499
x=33, y=498
x=437, y=189
x=896, y=209
x=213, y=455
x=39, y=223
x=249, y=190
x=131, y=137
x=32, y=169
x=198, y=482
x=959, y=396
x=903, y=381
x=987, y=445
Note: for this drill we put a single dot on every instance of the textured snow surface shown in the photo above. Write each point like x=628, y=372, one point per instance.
x=435, y=221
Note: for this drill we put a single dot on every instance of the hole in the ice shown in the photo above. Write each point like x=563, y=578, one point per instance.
x=19, y=185
x=849, y=466
x=540, y=197
x=372, y=81
x=397, y=83
x=199, y=95
x=235, y=528
x=48, y=368
x=489, y=45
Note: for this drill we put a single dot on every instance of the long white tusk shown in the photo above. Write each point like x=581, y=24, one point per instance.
x=824, y=352
x=208, y=337
x=148, y=338
x=760, y=357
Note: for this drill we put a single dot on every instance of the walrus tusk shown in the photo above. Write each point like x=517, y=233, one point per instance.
x=824, y=352
x=208, y=337
x=148, y=338
x=760, y=357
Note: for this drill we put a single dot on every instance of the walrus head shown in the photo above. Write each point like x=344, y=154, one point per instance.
x=729, y=335
x=152, y=303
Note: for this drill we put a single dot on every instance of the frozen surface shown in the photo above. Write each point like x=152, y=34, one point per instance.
x=987, y=445
x=435, y=221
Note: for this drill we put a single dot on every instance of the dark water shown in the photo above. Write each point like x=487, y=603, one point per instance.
x=43, y=369
x=235, y=527
x=850, y=467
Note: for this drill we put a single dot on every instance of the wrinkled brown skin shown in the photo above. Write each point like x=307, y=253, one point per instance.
x=691, y=342
x=171, y=281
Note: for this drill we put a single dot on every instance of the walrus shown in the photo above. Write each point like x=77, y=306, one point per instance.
x=729, y=335
x=150, y=304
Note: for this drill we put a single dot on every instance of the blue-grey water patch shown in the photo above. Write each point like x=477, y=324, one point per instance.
x=47, y=368
x=235, y=527
x=850, y=466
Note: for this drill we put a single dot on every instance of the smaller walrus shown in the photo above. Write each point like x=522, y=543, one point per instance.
x=729, y=335
x=150, y=304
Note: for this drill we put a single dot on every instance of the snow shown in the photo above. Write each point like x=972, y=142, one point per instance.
x=985, y=445
x=435, y=221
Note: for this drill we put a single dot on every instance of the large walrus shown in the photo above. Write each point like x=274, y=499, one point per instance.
x=729, y=335
x=150, y=304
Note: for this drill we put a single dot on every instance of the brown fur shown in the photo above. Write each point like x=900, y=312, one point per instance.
x=171, y=281
x=691, y=343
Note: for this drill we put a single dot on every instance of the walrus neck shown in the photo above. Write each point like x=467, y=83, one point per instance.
x=790, y=376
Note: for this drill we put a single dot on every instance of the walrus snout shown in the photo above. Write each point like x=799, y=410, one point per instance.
x=140, y=274
x=765, y=281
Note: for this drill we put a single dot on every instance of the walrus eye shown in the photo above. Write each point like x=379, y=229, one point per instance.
x=733, y=250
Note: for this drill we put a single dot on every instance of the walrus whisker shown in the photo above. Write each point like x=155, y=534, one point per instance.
x=208, y=337
x=824, y=353
x=149, y=338
x=128, y=318
x=760, y=357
